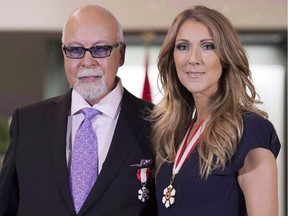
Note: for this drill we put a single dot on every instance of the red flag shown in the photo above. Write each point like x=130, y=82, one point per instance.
x=146, y=94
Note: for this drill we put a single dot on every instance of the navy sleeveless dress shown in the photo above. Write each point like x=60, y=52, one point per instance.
x=220, y=194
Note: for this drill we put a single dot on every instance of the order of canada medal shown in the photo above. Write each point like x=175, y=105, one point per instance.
x=169, y=196
x=143, y=194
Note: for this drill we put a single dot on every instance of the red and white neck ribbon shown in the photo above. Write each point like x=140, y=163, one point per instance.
x=142, y=174
x=182, y=153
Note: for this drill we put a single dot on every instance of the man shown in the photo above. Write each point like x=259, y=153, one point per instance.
x=41, y=169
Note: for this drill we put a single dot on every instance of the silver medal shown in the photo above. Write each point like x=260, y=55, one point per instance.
x=143, y=194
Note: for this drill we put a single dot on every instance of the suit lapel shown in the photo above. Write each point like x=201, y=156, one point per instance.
x=57, y=115
x=124, y=138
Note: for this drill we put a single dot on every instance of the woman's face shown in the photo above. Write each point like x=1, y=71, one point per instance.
x=198, y=66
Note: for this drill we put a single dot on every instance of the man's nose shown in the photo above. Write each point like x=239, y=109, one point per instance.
x=88, y=60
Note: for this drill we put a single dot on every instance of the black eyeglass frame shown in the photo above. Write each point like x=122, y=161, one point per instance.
x=109, y=49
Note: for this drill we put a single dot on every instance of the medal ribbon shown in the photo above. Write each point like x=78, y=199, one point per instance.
x=142, y=174
x=182, y=153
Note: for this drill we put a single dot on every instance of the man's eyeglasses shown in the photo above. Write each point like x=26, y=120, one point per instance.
x=75, y=52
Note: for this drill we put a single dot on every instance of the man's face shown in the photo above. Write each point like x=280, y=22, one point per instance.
x=92, y=77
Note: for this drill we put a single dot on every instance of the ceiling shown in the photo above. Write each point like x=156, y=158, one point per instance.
x=139, y=15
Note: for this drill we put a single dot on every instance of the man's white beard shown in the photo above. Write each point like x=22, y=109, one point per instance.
x=91, y=90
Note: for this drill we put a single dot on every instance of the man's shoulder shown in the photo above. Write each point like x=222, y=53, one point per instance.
x=135, y=106
x=129, y=97
x=44, y=103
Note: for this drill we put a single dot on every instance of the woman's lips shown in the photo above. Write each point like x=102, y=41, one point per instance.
x=195, y=74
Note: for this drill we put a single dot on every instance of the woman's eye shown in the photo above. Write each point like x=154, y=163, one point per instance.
x=208, y=46
x=182, y=47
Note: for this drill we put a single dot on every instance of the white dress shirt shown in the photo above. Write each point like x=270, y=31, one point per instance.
x=103, y=124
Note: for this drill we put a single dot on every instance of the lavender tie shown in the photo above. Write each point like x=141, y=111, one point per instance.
x=84, y=162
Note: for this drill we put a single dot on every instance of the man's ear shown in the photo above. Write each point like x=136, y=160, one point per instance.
x=122, y=54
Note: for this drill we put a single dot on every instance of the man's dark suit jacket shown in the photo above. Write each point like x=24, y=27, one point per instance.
x=34, y=180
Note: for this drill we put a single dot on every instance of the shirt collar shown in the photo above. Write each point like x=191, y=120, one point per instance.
x=109, y=105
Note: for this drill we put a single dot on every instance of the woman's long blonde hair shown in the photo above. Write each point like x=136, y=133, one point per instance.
x=236, y=95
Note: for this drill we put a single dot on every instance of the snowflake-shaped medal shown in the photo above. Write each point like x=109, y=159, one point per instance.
x=169, y=196
x=143, y=194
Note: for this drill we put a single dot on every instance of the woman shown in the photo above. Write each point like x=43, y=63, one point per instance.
x=215, y=149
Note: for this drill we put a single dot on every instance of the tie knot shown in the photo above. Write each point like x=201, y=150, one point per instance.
x=90, y=113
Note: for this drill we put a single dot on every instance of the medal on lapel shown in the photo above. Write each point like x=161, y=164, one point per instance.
x=169, y=193
x=143, y=194
x=142, y=175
